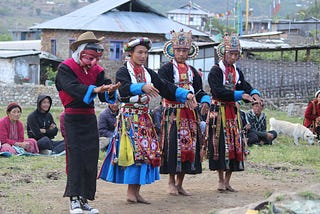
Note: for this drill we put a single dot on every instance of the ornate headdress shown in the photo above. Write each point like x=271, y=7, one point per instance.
x=180, y=40
x=145, y=41
x=230, y=43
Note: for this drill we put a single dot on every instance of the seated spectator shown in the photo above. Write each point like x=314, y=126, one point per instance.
x=106, y=124
x=312, y=115
x=12, y=132
x=41, y=126
x=257, y=133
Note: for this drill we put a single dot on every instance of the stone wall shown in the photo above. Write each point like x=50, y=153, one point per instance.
x=26, y=94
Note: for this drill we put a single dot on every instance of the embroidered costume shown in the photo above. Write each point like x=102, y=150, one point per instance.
x=134, y=153
x=227, y=84
x=180, y=132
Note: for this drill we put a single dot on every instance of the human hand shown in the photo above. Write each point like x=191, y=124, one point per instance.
x=269, y=136
x=204, y=108
x=247, y=97
x=43, y=131
x=109, y=88
x=24, y=145
x=256, y=98
x=191, y=101
x=52, y=126
x=113, y=87
x=150, y=90
x=247, y=127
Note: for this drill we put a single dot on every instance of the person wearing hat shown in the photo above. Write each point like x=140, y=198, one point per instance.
x=312, y=115
x=134, y=154
x=12, y=132
x=182, y=141
x=258, y=134
x=227, y=85
x=79, y=80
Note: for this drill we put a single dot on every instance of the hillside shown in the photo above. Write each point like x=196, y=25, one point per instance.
x=21, y=14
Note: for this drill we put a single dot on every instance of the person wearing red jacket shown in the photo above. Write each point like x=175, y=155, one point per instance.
x=312, y=115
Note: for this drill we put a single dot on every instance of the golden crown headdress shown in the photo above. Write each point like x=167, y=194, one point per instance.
x=183, y=40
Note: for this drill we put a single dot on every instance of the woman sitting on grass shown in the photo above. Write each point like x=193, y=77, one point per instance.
x=12, y=132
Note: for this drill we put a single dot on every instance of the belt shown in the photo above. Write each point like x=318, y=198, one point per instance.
x=171, y=105
x=134, y=110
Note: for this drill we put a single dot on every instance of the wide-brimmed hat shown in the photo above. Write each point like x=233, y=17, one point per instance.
x=87, y=37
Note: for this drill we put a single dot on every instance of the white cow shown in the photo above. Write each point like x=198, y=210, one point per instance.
x=294, y=130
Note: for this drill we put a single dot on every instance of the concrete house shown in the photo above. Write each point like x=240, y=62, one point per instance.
x=117, y=21
x=24, y=62
x=19, y=66
x=190, y=14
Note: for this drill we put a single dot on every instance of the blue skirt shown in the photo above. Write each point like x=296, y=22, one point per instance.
x=137, y=173
x=134, y=174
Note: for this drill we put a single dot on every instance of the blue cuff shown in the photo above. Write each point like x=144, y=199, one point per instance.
x=238, y=95
x=205, y=99
x=255, y=91
x=89, y=96
x=112, y=101
x=136, y=88
x=181, y=95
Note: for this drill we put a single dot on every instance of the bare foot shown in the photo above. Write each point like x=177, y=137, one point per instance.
x=230, y=189
x=183, y=192
x=131, y=199
x=140, y=199
x=221, y=187
x=173, y=190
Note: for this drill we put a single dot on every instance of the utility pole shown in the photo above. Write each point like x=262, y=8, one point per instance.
x=189, y=4
x=247, y=15
x=227, y=14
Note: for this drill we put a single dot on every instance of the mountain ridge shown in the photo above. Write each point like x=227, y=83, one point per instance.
x=15, y=16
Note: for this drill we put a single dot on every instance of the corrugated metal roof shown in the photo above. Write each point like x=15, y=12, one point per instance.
x=114, y=16
x=21, y=45
x=12, y=54
x=247, y=44
x=187, y=11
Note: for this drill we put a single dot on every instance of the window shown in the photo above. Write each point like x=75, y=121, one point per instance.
x=115, y=50
x=53, y=46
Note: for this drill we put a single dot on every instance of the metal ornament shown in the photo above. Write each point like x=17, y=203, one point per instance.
x=168, y=50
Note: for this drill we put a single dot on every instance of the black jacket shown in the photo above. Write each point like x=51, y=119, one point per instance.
x=38, y=120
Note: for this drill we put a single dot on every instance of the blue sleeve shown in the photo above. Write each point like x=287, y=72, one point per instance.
x=113, y=100
x=181, y=94
x=255, y=91
x=89, y=96
x=136, y=88
x=238, y=95
x=205, y=99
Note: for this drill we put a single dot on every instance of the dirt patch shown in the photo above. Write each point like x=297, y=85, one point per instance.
x=258, y=183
